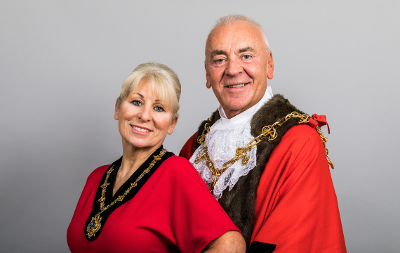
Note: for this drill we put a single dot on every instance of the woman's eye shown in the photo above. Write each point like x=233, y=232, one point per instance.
x=159, y=109
x=136, y=102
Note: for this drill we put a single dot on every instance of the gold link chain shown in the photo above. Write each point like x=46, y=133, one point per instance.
x=242, y=152
x=97, y=218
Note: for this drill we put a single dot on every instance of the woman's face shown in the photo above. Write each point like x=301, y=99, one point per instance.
x=143, y=120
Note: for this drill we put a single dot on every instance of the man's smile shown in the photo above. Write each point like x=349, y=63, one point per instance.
x=237, y=85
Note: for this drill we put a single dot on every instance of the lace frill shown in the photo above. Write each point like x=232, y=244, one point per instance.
x=225, y=136
x=222, y=143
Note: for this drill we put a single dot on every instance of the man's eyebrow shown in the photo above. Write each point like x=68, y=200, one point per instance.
x=246, y=49
x=217, y=52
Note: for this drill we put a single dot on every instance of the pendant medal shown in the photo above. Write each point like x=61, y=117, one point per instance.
x=93, y=226
x=101, y=211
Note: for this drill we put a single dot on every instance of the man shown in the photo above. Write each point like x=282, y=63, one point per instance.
x=273, y=180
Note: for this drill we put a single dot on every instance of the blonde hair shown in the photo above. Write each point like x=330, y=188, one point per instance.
x=164, y=81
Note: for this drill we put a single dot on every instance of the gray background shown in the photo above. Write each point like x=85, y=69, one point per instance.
x=62, y=64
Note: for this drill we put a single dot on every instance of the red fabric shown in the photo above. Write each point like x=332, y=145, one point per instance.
x=174, y=207
x=319, y=120
x=296, y=206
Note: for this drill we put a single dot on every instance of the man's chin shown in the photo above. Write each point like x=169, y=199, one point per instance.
x=233, y=111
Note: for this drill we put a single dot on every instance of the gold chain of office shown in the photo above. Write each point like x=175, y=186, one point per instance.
x=95, y=223
x=242, y=152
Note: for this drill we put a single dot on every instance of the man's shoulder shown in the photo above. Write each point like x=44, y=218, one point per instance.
x=302, y=133
x=187, y=149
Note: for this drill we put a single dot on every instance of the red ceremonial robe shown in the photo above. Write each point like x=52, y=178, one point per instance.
x=172, y=212
x=296, y=206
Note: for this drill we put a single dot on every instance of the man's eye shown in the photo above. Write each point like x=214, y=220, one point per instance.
x=136, y=102
x=159, y=109
x=219, y=60
x=246, y=56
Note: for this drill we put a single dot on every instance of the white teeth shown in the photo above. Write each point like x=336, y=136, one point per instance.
x=140, y=129
x=236, y=85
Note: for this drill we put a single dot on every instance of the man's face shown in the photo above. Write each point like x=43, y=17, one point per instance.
x=238, y=65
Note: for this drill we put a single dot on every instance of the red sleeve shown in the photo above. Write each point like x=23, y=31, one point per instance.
x=196, y=217
x=187, y=149
x=296, y=207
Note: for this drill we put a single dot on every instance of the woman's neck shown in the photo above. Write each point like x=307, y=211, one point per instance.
x=132, y=159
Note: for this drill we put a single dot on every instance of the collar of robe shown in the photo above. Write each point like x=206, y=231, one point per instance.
x=105, y=203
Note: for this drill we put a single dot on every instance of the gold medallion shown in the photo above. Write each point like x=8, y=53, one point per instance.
x=93, y=226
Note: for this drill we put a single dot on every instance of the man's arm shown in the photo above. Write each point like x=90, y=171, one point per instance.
x=296, y=207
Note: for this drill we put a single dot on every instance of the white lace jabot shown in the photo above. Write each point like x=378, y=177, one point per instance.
x=225, y=136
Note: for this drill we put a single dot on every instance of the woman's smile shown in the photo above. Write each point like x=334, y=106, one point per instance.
x=140, y=130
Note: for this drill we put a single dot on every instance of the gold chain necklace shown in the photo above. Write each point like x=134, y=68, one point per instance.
x=242, y=152
x=95, y=224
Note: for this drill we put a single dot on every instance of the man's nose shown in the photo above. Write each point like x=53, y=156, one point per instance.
x=233, y=67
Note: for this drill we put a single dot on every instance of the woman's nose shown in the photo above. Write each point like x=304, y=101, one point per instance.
x=145, y=113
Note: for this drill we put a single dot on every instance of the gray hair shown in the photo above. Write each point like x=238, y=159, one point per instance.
x=164, y=81
x=229, y=19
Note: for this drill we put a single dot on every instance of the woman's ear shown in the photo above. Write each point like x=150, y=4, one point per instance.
x=116, y=110
x=172, y=126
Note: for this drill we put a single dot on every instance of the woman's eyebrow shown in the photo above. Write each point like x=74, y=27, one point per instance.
x=141, y=96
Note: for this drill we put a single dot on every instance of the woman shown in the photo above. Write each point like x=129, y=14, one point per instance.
x=149, y=200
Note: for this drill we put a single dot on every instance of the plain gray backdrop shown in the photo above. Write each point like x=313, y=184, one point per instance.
x=62, y=64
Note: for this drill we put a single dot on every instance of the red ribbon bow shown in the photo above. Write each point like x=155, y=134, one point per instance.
x=319, y=120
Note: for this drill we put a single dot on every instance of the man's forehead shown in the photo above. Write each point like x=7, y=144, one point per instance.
x=243, y=36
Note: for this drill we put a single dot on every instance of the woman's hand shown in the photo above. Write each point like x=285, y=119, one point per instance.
x=231, y=241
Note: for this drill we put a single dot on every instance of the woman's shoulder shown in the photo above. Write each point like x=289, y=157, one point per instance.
x=181, y=167
x=98, y=173
x=178, y=163
x=178, y=160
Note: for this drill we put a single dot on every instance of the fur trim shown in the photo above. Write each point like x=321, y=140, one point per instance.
x=239, y=202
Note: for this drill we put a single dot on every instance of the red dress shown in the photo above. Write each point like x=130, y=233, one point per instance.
x=172, y=212
x=296, y=206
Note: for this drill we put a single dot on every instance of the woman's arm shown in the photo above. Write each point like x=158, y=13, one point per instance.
x=231, y=241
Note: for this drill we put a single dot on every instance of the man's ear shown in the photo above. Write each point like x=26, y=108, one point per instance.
x=208, y=83
x=172, y=126
x=116, y=110
x=270, y=66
